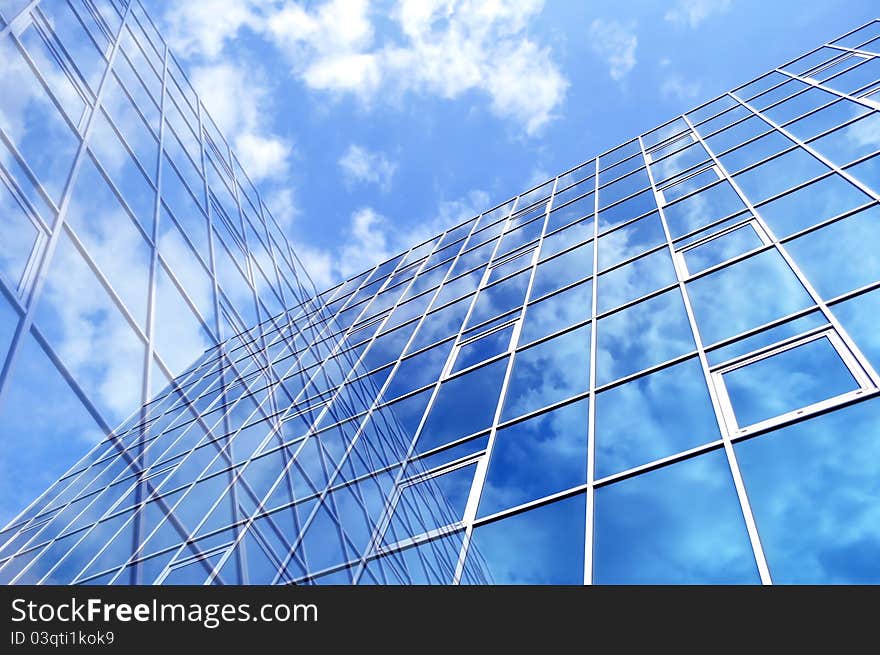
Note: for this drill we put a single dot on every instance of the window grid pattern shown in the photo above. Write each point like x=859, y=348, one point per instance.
x=502, y=402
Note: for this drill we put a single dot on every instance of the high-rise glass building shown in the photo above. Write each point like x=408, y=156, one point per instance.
x=131, y=240
x=660, y=366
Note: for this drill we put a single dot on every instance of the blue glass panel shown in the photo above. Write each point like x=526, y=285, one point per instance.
x=631, y=240
x=66, y=430
x=557, y=312
x=766, y=337
x=34, y=125
x=811, y=204
x=441, y=324
x=483, y=348
x=432, y=562
x=851, y=142
x=634, y=280
x=680, y=524
x=500, y=298
x=841, y=256
x=722, y=248
x=464, y=405
x=813, y=490
x=111, y=238
x=537, y=457
x=653, y=417
x=859, y=318
x=541, y=546
x=18, y=235
x=789, y=380
x=419, y=370
x=779, y=174
x=549, y=372
x=727, y=302
x=566, y=238
x=641, y=336
x=430, y=504
x=702, y=208
x=568, y=268
x=90, y=335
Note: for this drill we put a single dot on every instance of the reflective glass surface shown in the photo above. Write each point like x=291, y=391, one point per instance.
x=643, y=536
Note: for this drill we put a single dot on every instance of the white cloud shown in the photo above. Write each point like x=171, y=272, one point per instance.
x=616, y=44
x=446, y=48
x=675, y=86
x=360, y=165
x=237, y=101
x=371, y=238
x=203, y=27
x=694, y=12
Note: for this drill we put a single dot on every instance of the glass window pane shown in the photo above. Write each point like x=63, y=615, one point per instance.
x=635, y=280
x=842, y=256
x=464, y=405
x=859, y=318
x=779, y=174
x=701, y=209
x=500, y=298
x=531, y=459
x=419, y=370
x=40, y=439
x=851, y=142
x=18, y=235
x=180, y=337
x=566, y=238
x=433, y=503
x=90, y=335
x=627, y=242
x=811, y=204
x=680, y=524
x=557, y=312
x=654, y=416
x=813, y=490
x=111, y=238
x=549, y=372
x=789, y=380
x=728, y=301
x=441, y=324
x=722, y=248
x=641, y=336
x=541, y=546
x=766, y=337
x=557, y=272
x=483, y=348
x=34, y=124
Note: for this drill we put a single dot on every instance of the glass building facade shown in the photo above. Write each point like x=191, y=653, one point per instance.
x=660, y=366
x=131, y=240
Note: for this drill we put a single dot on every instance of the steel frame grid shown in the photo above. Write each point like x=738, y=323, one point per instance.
x=595, y=278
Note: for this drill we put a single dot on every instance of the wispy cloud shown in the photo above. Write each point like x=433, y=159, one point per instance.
x=361, y=165
x=675, y=86
x=444, y=49
x=615, y=43
x=238, y=100
x=693, y=12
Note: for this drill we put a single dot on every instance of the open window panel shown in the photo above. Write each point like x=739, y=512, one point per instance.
x=429, y=503
x=687, y=182
x=485, y=342
x=719, y=246
x=788, y=380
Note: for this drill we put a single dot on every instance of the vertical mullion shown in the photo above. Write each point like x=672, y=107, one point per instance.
x=589, y=541
x=723, y=421
x=139, y=517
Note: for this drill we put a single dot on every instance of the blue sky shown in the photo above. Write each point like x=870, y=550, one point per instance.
x=371, y=125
